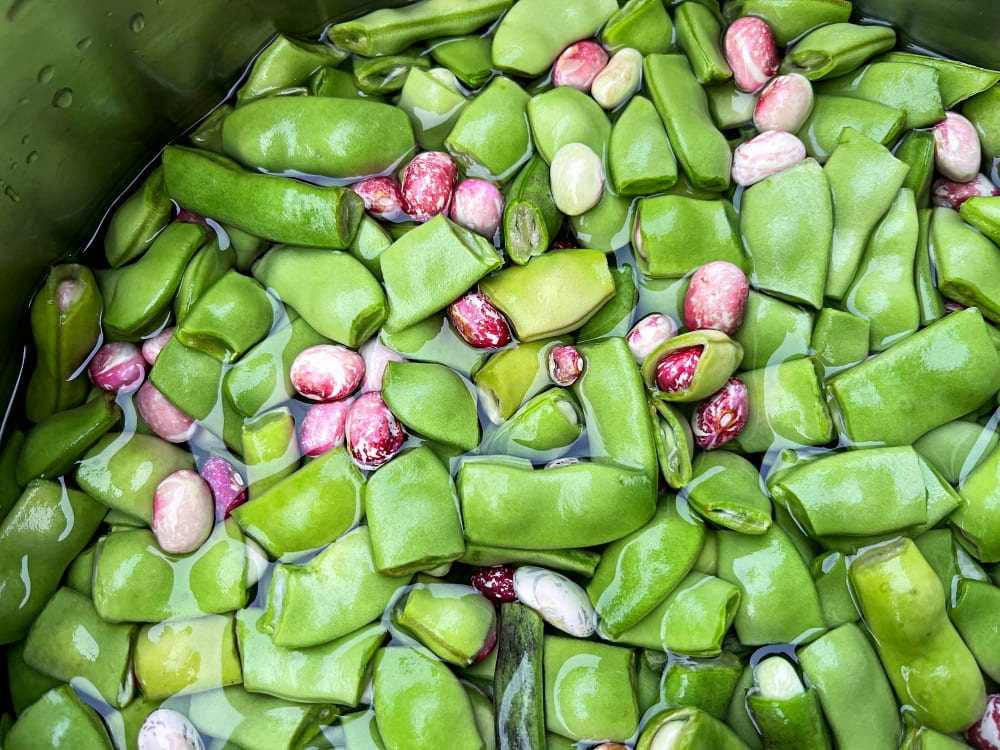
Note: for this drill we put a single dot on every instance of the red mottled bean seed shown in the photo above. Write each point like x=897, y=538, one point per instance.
x=376, y=356
x=229, y=489
x=563, y=245
x=162, y=417
x=327, y=372
x=477, y=205
x=784, y=104
x=488, y=646
x=951, y=194
x=183, y=512
x=765, y=155
x=578, y=65
x=478, y=322
x=720, y=417
x=383, y=197
x=495, y=583
x=565, y=365
x=152, y=346
x=619, y=80
x=576, y=178
x=117, y=367
x=427, y=184
x=985, y=733
x=373, y=433
x=649, y=333
x=166, y=729
x=716, y=297
x=751, y=53
x=675, y=372
x=957, y=153
x=323, y=427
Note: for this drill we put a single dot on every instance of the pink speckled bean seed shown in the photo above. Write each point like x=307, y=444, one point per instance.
x=675, y=372
x=427, y=184
x=957, y=152
x=373, y=433
x=565, y=365
x=323, y=426
x=722, y=416
x=578, y=65
x=383, y=197
x=152, y=346
x=985, y=733
x=784, y=104
x=183, y=512
x=327, y=372
x=229, y=489
x=751, y=53
x=376, y=356
x=163, y=418
x=477, y=205
x=951, y=194
x=648, y=334
x=478, y=322
x=117, y=367
x=765, y=155
x=716, y=297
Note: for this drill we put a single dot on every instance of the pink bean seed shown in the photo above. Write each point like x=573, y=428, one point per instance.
x=751, y=53
x=427, y=184
x=565, y=365
x=488, y=645
x=985, y=733
x=152, y=346
x=951, y=194
x=675, y=372
x=722, y=416
x=163, y=418
x=117, y=367
x=68, y=292
x=183, y=512
x=229, y=489
x=578, y=65
x=957, y=152
x=383, y=197
x=765, y=155
x=327, y=372
x=784, y=104
x=716, y=297
x=322, y=427
x=376, y=356
x=556, y=463
x=648, y=334
x=496, y=583
x=477, y=205
x=373, y=433
x=478, y=322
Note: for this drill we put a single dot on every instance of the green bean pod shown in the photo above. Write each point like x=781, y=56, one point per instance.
x=928, y=295
x=530, y=216
x=787, y=714
x=136, y=222
x=230, y=317
x=377, y=77
x=836, y=49
x=643, y=25
x=839, y=340
x=687, y=728
x=966, y=262
x=468, y=57
x=725, y=488
x=59, y=720
x=615, y=317
x=452, y=620
x=543, y=429
x=772, y=331
x=639, y=152
x=910, y=87
x=956, y=448
x=675, y=235
x=270, y=450
x=567, y=115
x=916, y=150
x=434, y=401
x=207, y=266
x=974, y=613
x=284, y=63
x=830, y=575
x=577, y=561
x=957, y=80
x=674, y=443
x=606, y=226
x=790, y=20
x=699, y=34
x=983, y=111
x=976, y=518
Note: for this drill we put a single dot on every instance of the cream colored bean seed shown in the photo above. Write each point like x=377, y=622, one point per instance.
x=576, y=177
x=446, y=78
x=619, y=79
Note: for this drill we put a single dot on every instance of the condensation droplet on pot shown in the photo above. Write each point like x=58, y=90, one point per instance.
x=31, y=158
x=12, y=194
x=137, y=22
x=45, y=73
x=25, y=140
x=63, y=98
x=84, y=44
x=17, y=9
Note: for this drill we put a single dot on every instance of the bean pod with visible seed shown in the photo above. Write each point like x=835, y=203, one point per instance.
x=576, y=178
x=322, y=427
x=496, y=583
x=376, y=356
x=578, y=65
x=183, y=512
x=561, y=602
x=427, y=184
x=477, y=205
x=117, y=367
x=372, y=432
x=383, y=197
x=648, y=334
x=957, y=151
x=951, y=194
x=478, y=321
x=722, y=416
x=152, y=346
x=751, y=53
x=619, y=80
x=166, y=729
x=675, y=372
x=565, y=365
x=716, y=297
x=229, y=489
x=327, y=372
x=985, y=733
x=162, y=417
x=784, y=104
x=765, y=155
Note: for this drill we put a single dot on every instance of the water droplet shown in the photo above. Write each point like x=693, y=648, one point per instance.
x=32, y=157
x=159, y=2
x=12, y=194
x=25, y=140
x=137, y=23
x=46, y=73
x=63, y=98
x=84, y=44
x=17, y=9
x=23, y=100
